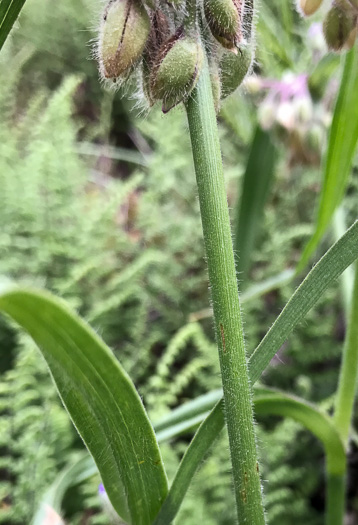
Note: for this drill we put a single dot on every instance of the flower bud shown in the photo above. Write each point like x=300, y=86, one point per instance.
x=234, y=68
x=224, y=18
x=337, y=27
x=309, y=7
x=177, y=69
x=124, y=32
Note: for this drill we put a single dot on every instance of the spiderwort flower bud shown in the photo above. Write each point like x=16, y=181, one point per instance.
x=234, y=68
x=177, y=69
x=309, y=7
x=124, y=32
x=224, y=18
x=338, y=26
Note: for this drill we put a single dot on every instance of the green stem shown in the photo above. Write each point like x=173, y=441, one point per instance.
x=335, y=499
x=225, y=298
x=344, y=406
x=349, y=370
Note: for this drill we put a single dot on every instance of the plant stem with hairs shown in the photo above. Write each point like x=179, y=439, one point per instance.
x=225, y=299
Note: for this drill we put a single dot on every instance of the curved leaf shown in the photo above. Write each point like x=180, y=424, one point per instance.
x=274, y=402
x=101, y=400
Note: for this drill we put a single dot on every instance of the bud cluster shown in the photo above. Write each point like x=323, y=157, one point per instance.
x=340, y=24
x=161, y=40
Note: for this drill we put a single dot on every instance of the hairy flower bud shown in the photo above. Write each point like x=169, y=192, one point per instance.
x=309, y=7
x=234, y=68
x=224, y=18
x=124, y=32
x=177, y=69
x=338, y=26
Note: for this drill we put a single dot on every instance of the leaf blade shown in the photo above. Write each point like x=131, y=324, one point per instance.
x=341, y=255
x=101, y=400
x=9, y=11
x=342, y=143
x=255, y=188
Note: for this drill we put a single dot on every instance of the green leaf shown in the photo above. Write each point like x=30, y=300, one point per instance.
x=256, y=185
x=342, y=254
x=342, y=144
x=101, y=400
x=274, y=402
x=9, y=11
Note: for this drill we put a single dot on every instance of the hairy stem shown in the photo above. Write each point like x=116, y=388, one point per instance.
x=225, y=299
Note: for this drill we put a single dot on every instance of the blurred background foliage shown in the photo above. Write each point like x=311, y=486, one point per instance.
x=98, y=204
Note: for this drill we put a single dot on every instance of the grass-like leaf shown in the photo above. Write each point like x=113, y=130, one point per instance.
x=342, y=144
x=342, y=254
x=9, y=11
x=101, y=400
x=255, y=189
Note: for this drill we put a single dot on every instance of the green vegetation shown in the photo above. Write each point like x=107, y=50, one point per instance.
x=98, y=205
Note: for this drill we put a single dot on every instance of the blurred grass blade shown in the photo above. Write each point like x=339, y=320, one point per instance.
x=101, y=400
x=80, y=468
x=9, y=11
x=278, y=403
x=342, y=254
x=192, y=409
x=266, y=401
x=255, y=188
x=342, y=144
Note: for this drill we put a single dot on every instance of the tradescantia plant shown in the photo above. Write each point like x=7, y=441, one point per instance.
x=196, y=54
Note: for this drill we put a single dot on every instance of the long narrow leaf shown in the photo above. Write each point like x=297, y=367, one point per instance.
x=9, y=11
x=256, y=184
x=341, y=148
x=101, y=400
x=342, y=254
